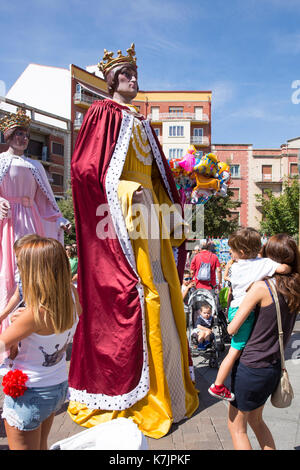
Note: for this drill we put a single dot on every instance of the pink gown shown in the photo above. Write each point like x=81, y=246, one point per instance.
x=31, y=212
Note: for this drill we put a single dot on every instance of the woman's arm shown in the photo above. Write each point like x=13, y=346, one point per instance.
x=22, y=327
x=254, y=296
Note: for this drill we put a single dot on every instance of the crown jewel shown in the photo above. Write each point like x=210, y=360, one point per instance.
x=19, y=119
x=108, y=62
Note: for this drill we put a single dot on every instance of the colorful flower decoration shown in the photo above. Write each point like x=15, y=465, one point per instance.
x=14, y=383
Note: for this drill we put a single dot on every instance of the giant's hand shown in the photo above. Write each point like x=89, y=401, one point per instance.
x=4, y=208
x=65, y=224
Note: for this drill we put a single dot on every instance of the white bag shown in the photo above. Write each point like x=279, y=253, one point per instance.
x=284, y=394
x=117, y=434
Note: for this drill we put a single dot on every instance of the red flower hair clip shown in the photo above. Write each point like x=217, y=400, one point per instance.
x=14, y=383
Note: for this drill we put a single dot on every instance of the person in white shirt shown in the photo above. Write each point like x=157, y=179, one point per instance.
x=36, y=380
x=245, y=244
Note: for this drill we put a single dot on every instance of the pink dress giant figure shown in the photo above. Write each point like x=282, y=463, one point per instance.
x=27, y=203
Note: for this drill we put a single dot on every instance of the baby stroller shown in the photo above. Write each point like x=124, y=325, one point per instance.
x=219, y=326
x=224, y=299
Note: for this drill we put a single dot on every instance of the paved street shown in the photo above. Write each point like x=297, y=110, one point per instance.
x=207, y=429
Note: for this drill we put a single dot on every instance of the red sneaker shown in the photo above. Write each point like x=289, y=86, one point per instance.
x=221, y=392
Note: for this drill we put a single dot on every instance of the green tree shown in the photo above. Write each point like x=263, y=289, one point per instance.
x=218, y=220
x=280, y=213
x=67, y=210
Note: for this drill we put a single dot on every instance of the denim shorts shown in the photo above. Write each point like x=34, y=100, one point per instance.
x=253, y=386
x=28, y=411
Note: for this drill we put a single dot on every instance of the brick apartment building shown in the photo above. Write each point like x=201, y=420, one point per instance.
x=256, y=170
x=237, y=156
x=180, y=119
x=87, y=86
x=48, y=143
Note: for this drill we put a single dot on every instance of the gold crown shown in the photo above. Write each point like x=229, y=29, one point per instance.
x=109, y=62
x=19, y=119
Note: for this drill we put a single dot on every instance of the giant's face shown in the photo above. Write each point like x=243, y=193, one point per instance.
x=124, y=81
x=18, y=139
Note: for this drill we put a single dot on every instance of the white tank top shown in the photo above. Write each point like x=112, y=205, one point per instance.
x=43, y=358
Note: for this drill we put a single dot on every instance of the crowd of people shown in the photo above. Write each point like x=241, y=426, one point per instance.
x=130, y=340
x=253, y=358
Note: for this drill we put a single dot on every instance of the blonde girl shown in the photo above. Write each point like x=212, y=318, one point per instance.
x=17, y=297
x=43, y=332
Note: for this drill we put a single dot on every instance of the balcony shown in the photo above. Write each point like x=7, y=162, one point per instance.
x=200, y=140
x=178, y=117
x=85, y=100
x=267, y=179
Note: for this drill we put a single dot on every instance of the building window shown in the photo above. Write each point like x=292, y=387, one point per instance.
x=175, y=153
x=266, y=172
x=176, y=110
x=198, y=113
x=35, y=148
x=176, y=131
x=78, y=88
x=197, y=135
x=2, y=141
x=45, y=153
x=198, y=132
x=57, y=179
x=157, y=131
x=57, y=149
x=235, y=216
x=235, y=171
x=236, y=193
x=78, y=120
x=294, y=169
x=155, y=113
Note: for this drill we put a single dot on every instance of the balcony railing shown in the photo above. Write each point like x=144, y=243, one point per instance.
x=267, y=179
x=199, y=140
x=178, y=116
x=84, y=99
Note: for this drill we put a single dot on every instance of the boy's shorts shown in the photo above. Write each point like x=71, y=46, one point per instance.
x=240, y=339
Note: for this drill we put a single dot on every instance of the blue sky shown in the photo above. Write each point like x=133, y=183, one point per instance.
x=246, y=51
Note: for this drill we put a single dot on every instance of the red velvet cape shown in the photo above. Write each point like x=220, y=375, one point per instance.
x=107, y=355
